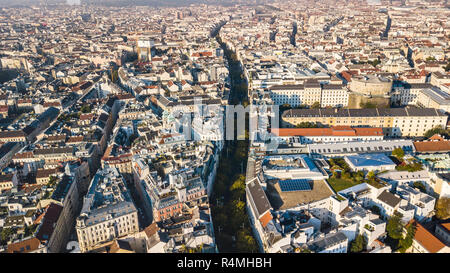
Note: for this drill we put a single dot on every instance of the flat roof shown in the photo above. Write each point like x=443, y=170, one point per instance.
x=333, y=131
x=373, y=112
x=281, y=200
x=369, y=160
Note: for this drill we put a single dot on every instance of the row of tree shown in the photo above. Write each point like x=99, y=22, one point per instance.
x=232, y=227
x=233, y=231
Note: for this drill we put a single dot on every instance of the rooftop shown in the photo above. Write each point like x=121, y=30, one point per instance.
x=282, y=200
x=333, y=131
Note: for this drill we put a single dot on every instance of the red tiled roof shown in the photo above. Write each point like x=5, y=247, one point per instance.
x=265, y=219
x=151, y=230
x=435, y=144
x=24, y=246
x=51, y=216
x=24, y=155
x=125, y=96
x=74, y=139
x=86, y=116
x=427, y=239
x=50, y=104
x=45, y=173
x=446, y=226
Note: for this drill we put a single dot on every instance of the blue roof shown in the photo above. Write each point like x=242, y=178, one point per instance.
x=310, y=163
x=294, y=185
x=364, y=160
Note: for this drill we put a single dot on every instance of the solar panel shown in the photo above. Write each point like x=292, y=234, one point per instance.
x=294, y=185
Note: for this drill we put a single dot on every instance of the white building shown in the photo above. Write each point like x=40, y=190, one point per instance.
x=108, y=211
x=330, y=243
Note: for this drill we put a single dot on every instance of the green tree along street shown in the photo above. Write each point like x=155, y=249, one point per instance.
x=232, y=228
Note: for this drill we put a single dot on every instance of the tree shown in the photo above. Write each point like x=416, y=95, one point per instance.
x=303, y=250
x=406, y=242
x=359, y=244
x=245, y=243
x=443, y=208
x=345, y=175
x=420, y=186
x=307, y=125
x=398, y=153
x=368, y=105
x=358, y=176
x=238, y=188
x=371, y=175
x=52, y=181
x=447, y=67
x=85, y=108
x=239, y=184
x=375, y=62
x=332, y=162
x=436, y=130
x=316, y=105
x=5, y=235
x=414, y=167
x=29, y=230
x=238, y=206
x=394, y=227
x=220, y=189
x=376, y=210
x=220, y=220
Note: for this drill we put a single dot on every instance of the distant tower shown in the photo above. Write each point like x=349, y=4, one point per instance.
x=144, y=50
x=179, y=15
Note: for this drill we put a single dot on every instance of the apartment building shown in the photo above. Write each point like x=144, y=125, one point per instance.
x=434, y=98
x=108, y=211
x=396, y=122
x=408, y=93
x=310, y=92
x=327, y=135
x=421, y=94
x=426, y=242
x=438, y=78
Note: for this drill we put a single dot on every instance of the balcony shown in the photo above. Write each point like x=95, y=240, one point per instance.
x=369, y=228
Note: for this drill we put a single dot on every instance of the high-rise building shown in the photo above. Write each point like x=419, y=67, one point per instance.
x=144, y=50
